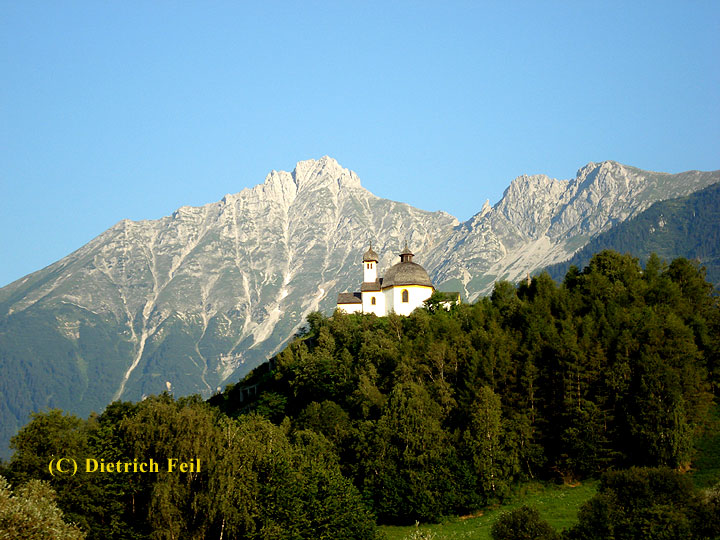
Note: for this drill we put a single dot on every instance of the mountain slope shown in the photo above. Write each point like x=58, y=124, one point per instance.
x=684, y=227
x=194, y=300
x=186, y=301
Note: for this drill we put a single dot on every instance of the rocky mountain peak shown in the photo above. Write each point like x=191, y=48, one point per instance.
x=283, y=187
x=485, y=208
x=605, y=174
x=536, y=185
x=324, y=172
x=530, y=197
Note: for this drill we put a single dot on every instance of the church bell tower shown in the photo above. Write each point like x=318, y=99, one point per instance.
x=370, y=260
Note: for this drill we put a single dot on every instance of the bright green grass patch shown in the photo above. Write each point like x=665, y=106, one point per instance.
x=706, y=465
x=557, y=504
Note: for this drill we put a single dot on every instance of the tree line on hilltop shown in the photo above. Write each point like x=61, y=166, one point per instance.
x=396, y=419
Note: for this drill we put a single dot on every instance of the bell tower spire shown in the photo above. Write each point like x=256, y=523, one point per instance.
x=370, y=260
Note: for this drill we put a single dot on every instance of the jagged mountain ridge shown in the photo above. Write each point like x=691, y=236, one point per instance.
x=194, y=300
x=540, y=221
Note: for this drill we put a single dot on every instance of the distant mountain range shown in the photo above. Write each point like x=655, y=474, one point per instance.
x=194, y=300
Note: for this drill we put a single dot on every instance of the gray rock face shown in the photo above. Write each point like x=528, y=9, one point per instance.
x=193, y=301
x=541, y=221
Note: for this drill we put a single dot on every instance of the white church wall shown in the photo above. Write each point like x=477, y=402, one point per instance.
x=351, y=308
x=417, y=294
x=388, y=296
x=379, y=307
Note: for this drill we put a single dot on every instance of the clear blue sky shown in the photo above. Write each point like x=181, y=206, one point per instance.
x=113, y=110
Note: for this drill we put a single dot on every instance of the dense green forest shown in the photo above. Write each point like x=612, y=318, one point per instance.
x=365, y=419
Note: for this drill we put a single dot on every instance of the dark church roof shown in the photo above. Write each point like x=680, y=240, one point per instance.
x=349, y=298
x=372, y=285
x=406, y=273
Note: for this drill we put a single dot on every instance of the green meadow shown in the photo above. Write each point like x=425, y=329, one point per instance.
x=558, y=504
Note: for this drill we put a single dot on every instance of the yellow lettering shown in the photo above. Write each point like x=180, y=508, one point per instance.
x=153, y=466
x=183, y=467
x=171, y=464
x=89, y=462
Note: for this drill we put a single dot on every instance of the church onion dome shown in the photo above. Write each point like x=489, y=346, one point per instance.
x=370, y=255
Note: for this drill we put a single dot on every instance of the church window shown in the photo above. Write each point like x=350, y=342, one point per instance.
x=405, y=295
x=372, y=300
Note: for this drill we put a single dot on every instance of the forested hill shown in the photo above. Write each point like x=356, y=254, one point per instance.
x=396, y=419
x=441, y=411
x=685, y=227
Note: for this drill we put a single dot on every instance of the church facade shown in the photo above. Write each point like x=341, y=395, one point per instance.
x=405, y=286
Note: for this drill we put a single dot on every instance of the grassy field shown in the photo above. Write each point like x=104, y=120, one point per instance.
x=705, y=470
x=557, y=504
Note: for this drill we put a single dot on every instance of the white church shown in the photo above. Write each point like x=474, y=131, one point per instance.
x=406, y=286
